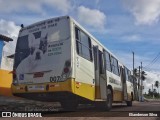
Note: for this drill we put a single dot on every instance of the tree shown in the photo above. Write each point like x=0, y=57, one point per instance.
x=154, y=91
x=157, y=85
x=143, y=75
x=149, y=91
x=135, y=72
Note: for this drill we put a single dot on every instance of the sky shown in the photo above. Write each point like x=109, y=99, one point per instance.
x=123, y=26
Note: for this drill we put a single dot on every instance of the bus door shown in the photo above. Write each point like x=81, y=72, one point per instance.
x=124, y=84
x=100, y=74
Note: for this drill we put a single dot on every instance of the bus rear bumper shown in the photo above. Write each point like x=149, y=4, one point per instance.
x=43, y=89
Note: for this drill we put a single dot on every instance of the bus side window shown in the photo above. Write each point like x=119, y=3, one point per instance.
x=78, y=45
x=114, y=63
x=129, y=76
x=83, y=44
x=119, y=67
x=101, y=63
x=108, y=62
x=126, y=74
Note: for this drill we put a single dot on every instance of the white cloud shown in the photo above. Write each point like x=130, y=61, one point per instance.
x=92, y=17
x=146, y=12
x=10, y=29
x=131, y=38
x=151, y=77
x=36, y=6
x=62, y=5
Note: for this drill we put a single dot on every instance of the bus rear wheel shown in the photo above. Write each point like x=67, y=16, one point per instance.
x=107, y=105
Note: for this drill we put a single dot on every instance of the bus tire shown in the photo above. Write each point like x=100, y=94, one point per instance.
x=109, y=100
x=69, y=106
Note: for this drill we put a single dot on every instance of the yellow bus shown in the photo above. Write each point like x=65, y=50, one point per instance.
x=58, y=60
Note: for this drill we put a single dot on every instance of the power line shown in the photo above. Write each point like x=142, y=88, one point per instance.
x=153, y=61
x=152, y=72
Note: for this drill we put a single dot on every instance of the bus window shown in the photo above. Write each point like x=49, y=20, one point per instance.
x=101, y=63
x=126, y=74
x=129, y=76
x=22, y=50
x=108, y=62
x=119, y=68
x=114, y=64
x=77, y=33
x=83, y=43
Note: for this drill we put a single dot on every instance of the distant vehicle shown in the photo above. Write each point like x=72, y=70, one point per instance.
x=58, y=60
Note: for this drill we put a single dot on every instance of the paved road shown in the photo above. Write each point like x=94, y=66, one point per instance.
x=118, y=112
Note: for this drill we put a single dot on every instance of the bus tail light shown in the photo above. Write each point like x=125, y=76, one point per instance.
x=66, y=70
x=67, y=66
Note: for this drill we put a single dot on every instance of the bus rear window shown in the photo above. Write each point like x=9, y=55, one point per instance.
x=22, y=43
x=22, y=50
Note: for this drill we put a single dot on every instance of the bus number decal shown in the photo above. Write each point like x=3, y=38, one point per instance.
x=55, y=79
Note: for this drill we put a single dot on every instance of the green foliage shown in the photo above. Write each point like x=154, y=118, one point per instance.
x=143, y=74
x=156, y=84
x=151, y=93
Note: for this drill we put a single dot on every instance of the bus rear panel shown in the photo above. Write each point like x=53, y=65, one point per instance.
x=43, y=62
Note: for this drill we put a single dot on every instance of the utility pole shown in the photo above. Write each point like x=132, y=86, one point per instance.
x=135, y=81
x=152, y=91
x=134, y=78
x=133, y=64
x=139, y=84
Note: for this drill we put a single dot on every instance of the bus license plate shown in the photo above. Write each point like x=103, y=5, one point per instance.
x=36, y=87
